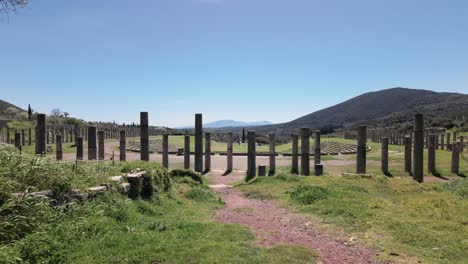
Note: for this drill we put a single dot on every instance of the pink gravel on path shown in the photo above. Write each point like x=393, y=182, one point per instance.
x=273, y=225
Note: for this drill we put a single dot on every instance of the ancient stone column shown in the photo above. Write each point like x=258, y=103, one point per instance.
x=449, y=144
x=65, y=134
x=455, y=158
x=8, y=135
x=58, y=147
x=92, y=146
x=442, y=141
x=41, y=135
x=18, y=141
x=431, y=154
x=23, y=137
x=144, y=136
x=76, y=132
x=305, y=152
x=272, y=155
x=199, y=143
x=436, y=141
x=123, y=146
x=86, y=133
x=408, y=155
x=418, y=151
x=295, y=154
x=79, y=148
x=30, y=137
x=251, y=159
x=229, y=153
x=462, y=144
x=317, y=148
x=426, y=135
x=318, y=169
x=207, y=152
x=165, y=154
x=361, y=149
x=48, y=136
x=101, y=136
x=187, y=152
x=261, y=171
x=384, y=164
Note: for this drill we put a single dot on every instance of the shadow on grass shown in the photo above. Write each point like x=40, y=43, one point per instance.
x=438, y=175
x=227, y=173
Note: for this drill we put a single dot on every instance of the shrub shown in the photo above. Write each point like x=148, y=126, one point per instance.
x=308, y=194
x=187, y=173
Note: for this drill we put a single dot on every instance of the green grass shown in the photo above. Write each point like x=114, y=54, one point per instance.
x=113, y=229
x=408, y=221
x=174, y=226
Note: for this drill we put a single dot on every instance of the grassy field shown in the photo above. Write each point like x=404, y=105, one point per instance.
x=409, y=222
x=175, y=226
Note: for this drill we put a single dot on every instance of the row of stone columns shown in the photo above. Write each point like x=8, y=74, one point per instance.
x=415, y=168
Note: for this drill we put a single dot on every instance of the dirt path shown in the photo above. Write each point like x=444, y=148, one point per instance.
x=274, y=225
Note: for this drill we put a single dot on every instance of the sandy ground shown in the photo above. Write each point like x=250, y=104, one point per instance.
x=273, y=225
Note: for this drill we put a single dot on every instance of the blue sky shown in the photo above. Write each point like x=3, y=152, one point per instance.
x=247, y=60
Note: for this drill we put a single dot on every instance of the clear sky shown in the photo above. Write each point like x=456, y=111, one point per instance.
x=247, y=60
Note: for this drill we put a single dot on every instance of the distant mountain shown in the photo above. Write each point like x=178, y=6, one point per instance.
x=4, y=105
x=390, y=107
x=231, y=123
x=3, y=109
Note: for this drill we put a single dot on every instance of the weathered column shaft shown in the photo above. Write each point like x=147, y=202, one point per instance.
x=272, y=169
x=384, y=164
x=101, y=136
x=462, y=144
x=361, y=149
x=305, y=152
x=408, y=154
x=165, y=154
x=449, y=143
x=30, y=137
x=79, y=148
x=317, y=148
x=455, y=158
x=144, y=136
x=229, y=153
x=187, y=152
x=41, y=134
x=18, y=141
x=8, y=135
x=431, y=167
x=442, y=141
x=123, y=146
x=58, y=147
x=23, y=137
x=251, y=159
x=92, y=147
x=199, y=143
x=418, y=151
x=207, y=152
x=295, y=154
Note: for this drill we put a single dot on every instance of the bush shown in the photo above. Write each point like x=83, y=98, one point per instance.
x=309, y=194
x=187, y=173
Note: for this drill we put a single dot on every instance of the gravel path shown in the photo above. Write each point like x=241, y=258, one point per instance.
x=274, y=225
